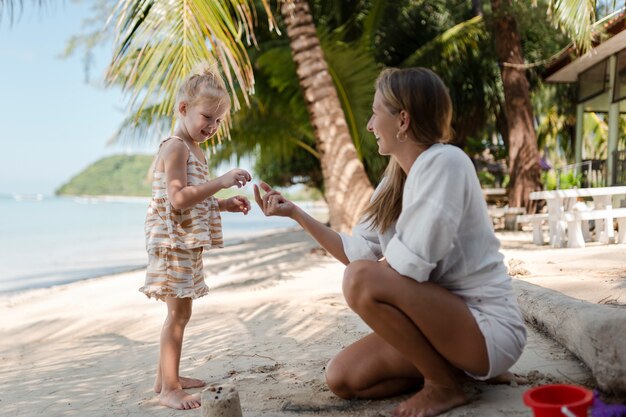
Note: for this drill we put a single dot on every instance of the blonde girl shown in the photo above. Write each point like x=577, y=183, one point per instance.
x=183, y=220
x=424, y=269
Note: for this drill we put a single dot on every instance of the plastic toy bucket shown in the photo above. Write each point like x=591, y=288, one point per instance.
x=549, y=400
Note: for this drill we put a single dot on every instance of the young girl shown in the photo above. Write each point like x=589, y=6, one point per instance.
x=424, y=269
x=183, y=219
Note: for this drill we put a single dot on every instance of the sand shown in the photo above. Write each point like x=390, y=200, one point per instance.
x=274, y=317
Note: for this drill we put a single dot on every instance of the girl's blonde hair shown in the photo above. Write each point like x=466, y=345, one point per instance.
x=204, y=83
x=423, y=95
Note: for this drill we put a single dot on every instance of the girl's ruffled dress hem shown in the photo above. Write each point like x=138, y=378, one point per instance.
x=161, y=292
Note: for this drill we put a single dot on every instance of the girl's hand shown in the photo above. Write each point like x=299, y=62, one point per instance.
x=237, y=204
x=237, y=176
x=273, y=203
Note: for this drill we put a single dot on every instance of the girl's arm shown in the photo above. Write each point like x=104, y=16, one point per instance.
x=274, y=204
x=236, y=204
x=180, y=194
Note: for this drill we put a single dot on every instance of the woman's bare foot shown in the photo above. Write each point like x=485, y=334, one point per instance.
x=430, y=401
x=179, y=400
x=185, y=383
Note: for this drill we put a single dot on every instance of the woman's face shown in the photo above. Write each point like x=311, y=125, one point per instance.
x=384, y=126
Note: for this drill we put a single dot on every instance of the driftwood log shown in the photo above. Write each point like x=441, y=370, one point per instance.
x=595, y=333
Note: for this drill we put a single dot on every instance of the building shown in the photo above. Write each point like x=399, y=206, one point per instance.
x=600, y=75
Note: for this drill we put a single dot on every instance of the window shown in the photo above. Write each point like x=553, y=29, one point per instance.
x=592, y=81
x=619, y=90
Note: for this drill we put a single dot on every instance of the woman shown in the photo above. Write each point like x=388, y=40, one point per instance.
x=423, y=265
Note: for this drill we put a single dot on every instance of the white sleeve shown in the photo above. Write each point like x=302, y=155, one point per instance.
x=364, y=243
x=434, y=198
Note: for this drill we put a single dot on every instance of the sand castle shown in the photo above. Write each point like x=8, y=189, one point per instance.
x=220, y=400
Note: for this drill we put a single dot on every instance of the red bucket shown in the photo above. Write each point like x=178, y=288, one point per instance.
x=548, y=400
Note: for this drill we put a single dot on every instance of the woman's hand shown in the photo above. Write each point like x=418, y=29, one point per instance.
x=236, y=204
x=273, y=203
x=237, y=176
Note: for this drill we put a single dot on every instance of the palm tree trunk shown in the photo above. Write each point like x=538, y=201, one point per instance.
x=346, y=186
x=524, y=170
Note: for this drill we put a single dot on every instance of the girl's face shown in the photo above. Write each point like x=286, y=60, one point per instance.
x=203, y=118
x=384, y=126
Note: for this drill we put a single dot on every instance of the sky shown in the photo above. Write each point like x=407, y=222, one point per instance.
x=53, y=122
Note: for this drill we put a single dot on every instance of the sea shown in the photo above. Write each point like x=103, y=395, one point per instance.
x=47, y=241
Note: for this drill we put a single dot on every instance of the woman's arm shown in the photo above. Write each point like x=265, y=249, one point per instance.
x=274, y=204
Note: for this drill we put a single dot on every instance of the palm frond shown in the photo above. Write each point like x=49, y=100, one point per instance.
x=373, y=19
x=14, y=8
x=576, y=19
x=158, y=44
x=454, y=45
x=354, y=71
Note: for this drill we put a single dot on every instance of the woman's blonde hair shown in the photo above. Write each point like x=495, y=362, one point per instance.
x=423, y=95
x=204, y=83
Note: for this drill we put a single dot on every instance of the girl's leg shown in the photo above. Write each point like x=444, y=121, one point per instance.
x=185, y=382
x=429, y=326
x=172, y=394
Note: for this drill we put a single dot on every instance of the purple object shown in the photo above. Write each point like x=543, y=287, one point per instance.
x=600, y=409
x=544, y=164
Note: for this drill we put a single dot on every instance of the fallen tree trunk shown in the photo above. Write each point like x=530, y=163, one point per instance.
x=595, y=333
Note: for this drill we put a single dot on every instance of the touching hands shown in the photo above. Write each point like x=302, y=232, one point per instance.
x=273, y=203
x=236, y=204
x=237, y=176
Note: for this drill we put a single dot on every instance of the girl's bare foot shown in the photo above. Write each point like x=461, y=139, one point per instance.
x=179, y=400
x=185, y=383
x=430, y=401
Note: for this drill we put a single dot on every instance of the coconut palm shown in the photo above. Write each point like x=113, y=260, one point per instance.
x=276, y=126
x=346, y=184
x=159, y=42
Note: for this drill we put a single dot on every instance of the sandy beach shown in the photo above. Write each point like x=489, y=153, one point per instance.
x=273, y=319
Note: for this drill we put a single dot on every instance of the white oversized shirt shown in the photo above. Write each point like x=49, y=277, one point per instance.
x=444, y=233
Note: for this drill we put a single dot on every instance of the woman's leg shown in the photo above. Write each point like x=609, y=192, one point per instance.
x=429, y=326
x=371, y=368
x=172, y=394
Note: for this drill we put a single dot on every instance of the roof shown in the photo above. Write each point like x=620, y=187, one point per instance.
x=565, y=66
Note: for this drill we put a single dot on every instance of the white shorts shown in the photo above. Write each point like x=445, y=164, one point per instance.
x=502, y=325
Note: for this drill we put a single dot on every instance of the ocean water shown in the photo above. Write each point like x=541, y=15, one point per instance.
x=51, y=241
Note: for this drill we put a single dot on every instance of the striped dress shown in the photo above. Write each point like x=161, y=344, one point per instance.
x=176, y=238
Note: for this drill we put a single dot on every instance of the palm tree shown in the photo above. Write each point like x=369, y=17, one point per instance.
x=347, y=187
x=574, y=16
x=158, y=43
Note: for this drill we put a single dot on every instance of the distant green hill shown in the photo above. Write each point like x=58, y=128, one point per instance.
x=127, y=175
x=114, y=175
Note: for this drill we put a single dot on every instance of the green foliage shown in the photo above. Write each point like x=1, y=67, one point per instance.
x=354, y=72
x=357, y=38
x=486, y=179
x=275, y=128
x=125, y=175
x=566, y=180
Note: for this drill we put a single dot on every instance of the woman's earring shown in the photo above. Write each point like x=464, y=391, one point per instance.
x=403, y=137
